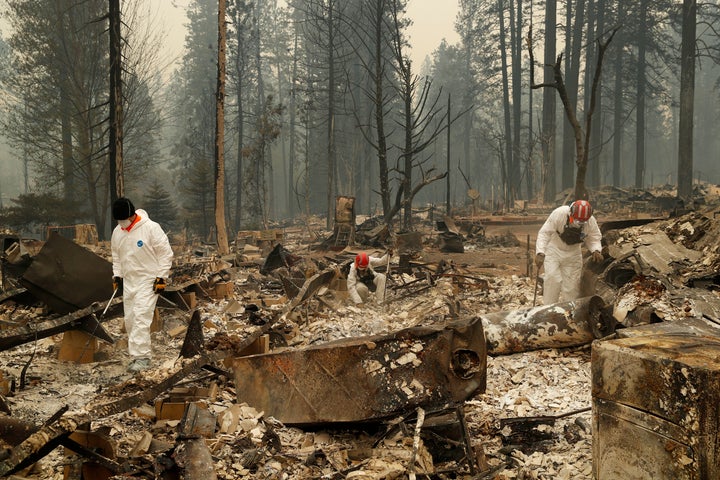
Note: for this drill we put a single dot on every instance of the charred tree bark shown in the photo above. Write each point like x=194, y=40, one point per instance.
x=117, y=187
x=641, y=88
x=220, y=225
x=560, y=325
x=548, y=114
x=687, y=96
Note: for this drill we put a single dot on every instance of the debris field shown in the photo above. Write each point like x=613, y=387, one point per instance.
x=264, y=369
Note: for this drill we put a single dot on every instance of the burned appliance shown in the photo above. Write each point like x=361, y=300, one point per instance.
x=655, y=412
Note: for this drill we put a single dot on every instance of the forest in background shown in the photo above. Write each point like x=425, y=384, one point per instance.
x=322, y=99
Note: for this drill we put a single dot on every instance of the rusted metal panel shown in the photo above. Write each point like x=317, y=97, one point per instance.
x=369, y=377
x=631, y=444
x=67, y=276
x=560, y=325
x=655, y=397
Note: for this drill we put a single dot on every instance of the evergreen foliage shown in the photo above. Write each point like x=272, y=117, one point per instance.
x=160, y=206
x=39, y=209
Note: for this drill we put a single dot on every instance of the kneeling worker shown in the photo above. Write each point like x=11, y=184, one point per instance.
x=363, y=279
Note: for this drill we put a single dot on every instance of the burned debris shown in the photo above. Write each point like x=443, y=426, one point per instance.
x=263, y=367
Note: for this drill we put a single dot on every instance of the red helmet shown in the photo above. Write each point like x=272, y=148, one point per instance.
x=581, y=210
x=362, y=260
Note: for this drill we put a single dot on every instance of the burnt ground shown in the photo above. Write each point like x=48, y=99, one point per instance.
x=505, y=251
x=544, y=382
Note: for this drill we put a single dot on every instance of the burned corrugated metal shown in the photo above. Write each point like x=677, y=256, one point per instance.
x=369, y=377
x=311, y=286
x=560, y=325
x=655, y=251
x=67, y=276
x=687, y=326
x=655, y=409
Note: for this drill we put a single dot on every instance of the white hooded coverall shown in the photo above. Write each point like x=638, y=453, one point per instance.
x=358, y=291
x=139, y=255
x=563, y=262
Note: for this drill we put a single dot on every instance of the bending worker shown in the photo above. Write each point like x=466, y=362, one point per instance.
x=141, y=257
x=363, y=279
x=558, y=248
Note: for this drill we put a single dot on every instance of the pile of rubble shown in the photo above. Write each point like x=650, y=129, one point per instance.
x=262, y=368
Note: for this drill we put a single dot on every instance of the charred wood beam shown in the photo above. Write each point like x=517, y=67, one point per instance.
x=46, y=439
x=41, y=442
x=84, y=319
x=20, y=295
x=13, y=432
x=91, y=455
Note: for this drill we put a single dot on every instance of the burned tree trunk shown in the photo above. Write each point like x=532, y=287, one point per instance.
x=567, y=324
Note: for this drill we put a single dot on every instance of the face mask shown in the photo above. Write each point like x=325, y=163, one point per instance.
x=124, y=223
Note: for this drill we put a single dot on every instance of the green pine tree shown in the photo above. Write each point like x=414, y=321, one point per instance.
x=160, y=206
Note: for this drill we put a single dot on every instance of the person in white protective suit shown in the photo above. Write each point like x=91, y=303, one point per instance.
x=558, y=248
x=363, y=279
x=141, y=258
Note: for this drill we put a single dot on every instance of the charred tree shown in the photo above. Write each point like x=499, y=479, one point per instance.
x=582, y=138
x=220, y=226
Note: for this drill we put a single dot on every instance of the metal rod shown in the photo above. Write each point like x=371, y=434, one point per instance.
x=109, y=302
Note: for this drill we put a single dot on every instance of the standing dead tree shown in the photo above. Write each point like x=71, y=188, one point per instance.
x=582, y=138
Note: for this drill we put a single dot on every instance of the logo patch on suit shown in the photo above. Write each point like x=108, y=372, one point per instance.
x=140, y=243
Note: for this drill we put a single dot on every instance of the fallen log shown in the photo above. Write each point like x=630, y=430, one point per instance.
x=561, y=325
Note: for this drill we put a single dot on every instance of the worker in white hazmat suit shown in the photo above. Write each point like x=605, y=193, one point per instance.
x=558, y=248
x=142, y=258
x=362, y=278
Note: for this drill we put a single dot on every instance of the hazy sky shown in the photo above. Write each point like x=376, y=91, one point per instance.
x=432, y=21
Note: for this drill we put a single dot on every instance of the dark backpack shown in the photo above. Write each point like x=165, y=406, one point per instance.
x=368, y=278
x=571, y=235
